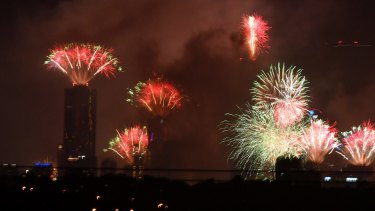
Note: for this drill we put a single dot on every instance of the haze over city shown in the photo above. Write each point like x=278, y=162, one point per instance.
x=199, y=47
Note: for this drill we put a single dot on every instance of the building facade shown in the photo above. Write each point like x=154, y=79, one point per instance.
x=77, y=153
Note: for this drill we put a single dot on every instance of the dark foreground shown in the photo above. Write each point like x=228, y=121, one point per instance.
x=122, y=193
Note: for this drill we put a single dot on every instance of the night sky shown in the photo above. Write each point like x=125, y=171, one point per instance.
x=197, y=45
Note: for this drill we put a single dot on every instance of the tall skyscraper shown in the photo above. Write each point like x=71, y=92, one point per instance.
x=157, y=133
x=77, y=153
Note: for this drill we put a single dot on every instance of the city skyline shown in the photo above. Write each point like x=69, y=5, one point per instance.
x=197, y=46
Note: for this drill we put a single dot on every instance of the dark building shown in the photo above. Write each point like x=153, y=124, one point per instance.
x=9, y=170
x=288, y=168
x=138, y=166
x=42, y=170
x=77, y=153
x=157, y=132
x=108, y=167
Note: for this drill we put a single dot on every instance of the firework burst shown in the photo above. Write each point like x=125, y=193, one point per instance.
x=257, y=141
x=255, y=31
x=285, y=90
x=81, y=62
x=359, y=145
x=157, y=96
x=318, y=140
x=131, y=142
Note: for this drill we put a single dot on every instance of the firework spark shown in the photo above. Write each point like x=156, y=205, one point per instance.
x=285, y=90
x=318, y=140
x=255, y=31
x=257, y=141
x=131, y=142
x=157, y=96
x=81, y=62
x=359, y=145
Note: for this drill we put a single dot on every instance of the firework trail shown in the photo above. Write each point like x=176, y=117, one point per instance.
x=359, y=145
x=81, y=62
x=318, y=140
x=257, y=141
x=131, y=142
x=285, y=90
x=157, y=96
x=255, y=31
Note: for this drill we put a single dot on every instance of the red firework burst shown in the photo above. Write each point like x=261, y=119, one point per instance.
x=131, y=142
x=288, y=113
x=81, y=62
x=255, y=31
x=359, y=145
x=317, y=140
x=157, y=96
